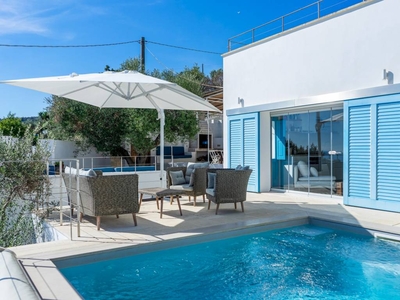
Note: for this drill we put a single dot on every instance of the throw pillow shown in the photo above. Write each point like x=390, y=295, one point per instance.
x=89, y=173
x=189, y=171
x=216, y=166
x=177, y=177
x=246, y=168
x=314, y=172
x=211, y=180
x=191, y=166
x=202, y=165
x=239, y=167
x=303, y=169
x=180, y=164
x=71, y=171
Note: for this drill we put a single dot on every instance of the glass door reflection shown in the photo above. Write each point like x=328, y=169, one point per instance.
x=302, y=151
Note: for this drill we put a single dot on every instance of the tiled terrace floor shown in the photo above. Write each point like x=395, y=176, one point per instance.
x=196, y=220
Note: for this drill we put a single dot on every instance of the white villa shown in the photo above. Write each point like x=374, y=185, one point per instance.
x=316, y=108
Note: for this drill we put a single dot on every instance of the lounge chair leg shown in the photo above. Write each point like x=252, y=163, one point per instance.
x=242, y=206
x=209, y=204
x=194, y=201
x=134, y=219
x=98, y=222
x=140, y=200
x=81, y=217
x=179, y=205
x=204, y=198
x=117, y=216
x=190, y=199
x=161, y=209
x=216, y=211
x=235, y=206
x=157, y=203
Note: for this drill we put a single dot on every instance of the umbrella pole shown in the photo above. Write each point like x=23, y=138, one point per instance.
x=162, y=123
x=208, y=136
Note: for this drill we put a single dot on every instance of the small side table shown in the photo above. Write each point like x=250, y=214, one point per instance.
x=160, y=192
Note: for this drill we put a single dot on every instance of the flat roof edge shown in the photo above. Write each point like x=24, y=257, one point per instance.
x=320, y=99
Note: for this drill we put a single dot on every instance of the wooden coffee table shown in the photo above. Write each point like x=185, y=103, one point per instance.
x=160, y=193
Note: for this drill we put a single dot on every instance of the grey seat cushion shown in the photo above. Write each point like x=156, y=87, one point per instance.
x=183, y=187
x=210, y=192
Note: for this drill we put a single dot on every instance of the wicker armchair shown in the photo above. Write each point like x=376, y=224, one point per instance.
x=198, y=178
x=229, y=186
x=105, y=195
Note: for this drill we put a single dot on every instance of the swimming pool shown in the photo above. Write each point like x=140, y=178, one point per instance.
x=303, y=262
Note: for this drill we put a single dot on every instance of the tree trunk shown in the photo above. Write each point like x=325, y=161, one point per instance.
x=120, y=151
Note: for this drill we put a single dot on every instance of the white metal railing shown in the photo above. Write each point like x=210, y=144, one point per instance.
x=311, y=12
x=60, y=190
x=131, y=163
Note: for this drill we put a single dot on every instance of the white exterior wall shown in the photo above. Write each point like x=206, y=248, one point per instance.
x=65, y=149
x=343, y=52
x=346, y=52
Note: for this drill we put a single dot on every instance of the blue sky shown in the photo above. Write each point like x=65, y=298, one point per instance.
x=202, y=25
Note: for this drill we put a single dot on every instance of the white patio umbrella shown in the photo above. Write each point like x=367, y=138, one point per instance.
x=127, y=89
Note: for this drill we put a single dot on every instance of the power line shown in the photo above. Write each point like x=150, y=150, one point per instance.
x=104, y=45
x=68, y=46
x=184, y=48
x=177, y=74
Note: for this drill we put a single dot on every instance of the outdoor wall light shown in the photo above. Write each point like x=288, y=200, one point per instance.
x=240, y=101
x=389, y=76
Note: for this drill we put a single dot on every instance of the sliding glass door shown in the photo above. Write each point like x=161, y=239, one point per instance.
x=307, y=151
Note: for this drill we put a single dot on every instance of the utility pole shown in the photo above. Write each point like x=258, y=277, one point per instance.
x=142, y=59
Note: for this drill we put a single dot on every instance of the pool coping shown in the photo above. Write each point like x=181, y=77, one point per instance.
x=51, y=284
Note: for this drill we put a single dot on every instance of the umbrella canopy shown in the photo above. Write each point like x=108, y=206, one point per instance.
x=127, y=89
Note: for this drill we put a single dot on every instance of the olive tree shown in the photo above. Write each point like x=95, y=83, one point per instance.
x=12, y=126
x=24, y=188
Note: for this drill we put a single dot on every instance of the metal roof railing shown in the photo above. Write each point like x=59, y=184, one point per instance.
x=296, y=18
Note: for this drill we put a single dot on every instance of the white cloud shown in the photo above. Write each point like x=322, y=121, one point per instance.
x=21, y=25
x=40, y=16
x=20, y=16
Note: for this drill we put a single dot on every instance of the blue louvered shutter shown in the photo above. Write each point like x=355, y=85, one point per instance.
x=388, y=149
x=236, y=134
x=243, y=143
x=359, y=169
x=250, y=150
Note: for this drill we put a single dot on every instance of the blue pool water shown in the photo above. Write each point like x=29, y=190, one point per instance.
x=305, y=262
